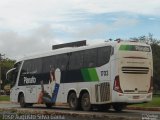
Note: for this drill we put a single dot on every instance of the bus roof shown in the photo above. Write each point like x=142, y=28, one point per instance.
x=72, y=49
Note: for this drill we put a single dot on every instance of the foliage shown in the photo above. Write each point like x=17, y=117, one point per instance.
x=5, y=65
x=147, y=39
x=4, y=98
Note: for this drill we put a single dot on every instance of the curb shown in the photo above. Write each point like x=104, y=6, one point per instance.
x=128, y=108
x=144, y=108
x=5, y=102
x=71, y=115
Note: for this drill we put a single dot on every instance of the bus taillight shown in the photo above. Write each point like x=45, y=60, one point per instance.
x=151, y=85
x=117, y=86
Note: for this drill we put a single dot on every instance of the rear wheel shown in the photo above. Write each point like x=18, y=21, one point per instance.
x=49, y=105
x=73, y=101
x=85, y=102
x=29, y=104
x=104, y=107
x=118, y=107
x=22, y=101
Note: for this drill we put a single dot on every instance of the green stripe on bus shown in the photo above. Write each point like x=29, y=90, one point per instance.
x=122, y=47
x=85, y=74
x=126, y=47
x=89, y=74
x=93, y=74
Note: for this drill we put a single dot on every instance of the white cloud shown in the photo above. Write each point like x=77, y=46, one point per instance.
x=150, y=7
x=96, y=29
x=15, y=45
x=28, y=25
x=152, y=18
x=26, y=14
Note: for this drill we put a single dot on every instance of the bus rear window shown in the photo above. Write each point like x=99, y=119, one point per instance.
x=134, y=48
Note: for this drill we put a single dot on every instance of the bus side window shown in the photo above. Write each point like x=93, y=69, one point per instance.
x=48, y=63
x=23, y=73
x=24, y=68
x=90, y=58
x=76, y=60
x=37, y=66
x=31, y=68
x=62, y=61
x=104, y=55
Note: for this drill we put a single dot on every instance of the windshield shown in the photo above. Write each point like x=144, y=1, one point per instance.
x=134, y=48
x=12, y=74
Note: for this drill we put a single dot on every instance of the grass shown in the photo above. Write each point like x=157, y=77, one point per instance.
x=154, y=103
x=4, y=98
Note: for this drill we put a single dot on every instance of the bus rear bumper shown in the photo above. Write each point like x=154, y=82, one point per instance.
x=131, y=98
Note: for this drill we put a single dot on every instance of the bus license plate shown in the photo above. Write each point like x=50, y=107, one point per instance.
x=135, y=97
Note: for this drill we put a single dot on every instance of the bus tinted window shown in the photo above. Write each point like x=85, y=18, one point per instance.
x=90, y=58
x=48, y=63
x=104, y=55
x=32, y=66
x=62, y=61
x=76, y=60
x=14, y=74
x=25, y=68
x=31, y=69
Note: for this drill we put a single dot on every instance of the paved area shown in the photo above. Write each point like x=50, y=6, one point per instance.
x=69, y=114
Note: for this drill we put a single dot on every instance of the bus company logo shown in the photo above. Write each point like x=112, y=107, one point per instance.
x=142, y=48
x=150, y=117
x=29, y=80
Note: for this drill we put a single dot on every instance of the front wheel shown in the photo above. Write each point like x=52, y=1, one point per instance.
x=85, y=102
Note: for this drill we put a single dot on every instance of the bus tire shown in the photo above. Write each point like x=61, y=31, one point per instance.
x=73, y=101
x=118, y=107
x=104, y=107
x=22, y=101
x=85, y=102
x=29, y=104
x=49, y=105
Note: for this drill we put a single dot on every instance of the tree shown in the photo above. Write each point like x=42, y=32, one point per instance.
x=5, y=65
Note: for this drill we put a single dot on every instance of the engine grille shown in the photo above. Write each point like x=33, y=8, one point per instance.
x=135, y=70
x=102, y=92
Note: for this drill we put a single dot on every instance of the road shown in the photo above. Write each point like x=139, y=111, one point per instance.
x=68, y=114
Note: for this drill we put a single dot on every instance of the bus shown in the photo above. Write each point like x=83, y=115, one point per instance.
x=111, y=74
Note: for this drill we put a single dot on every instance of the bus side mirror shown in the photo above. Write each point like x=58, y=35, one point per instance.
x=9, y=74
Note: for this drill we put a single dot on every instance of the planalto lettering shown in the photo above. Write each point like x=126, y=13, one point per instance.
x=29, y=80
x=142, y=48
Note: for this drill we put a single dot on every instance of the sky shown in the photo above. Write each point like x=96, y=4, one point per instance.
x=33, y=26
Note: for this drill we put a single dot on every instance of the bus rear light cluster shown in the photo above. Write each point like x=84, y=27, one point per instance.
x=151, y=85
x=117, y=86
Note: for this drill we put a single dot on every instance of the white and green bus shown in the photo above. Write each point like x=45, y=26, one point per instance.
x=116, y=73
